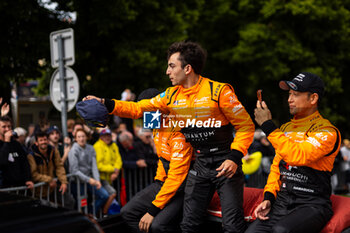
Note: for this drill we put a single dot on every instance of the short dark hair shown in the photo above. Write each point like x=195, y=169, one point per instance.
x=190, y=53
x=40, y=134
x=5, y=118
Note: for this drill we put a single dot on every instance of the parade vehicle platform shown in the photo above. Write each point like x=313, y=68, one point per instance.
x=340, y=222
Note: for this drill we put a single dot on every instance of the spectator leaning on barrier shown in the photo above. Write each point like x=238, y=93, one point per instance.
x=109, y=162
x=144, y=148
x=114, y=133
x=77, y=126
x=20, y=135
x=127, y=95
x=121, y=128
x=13, y=159
x=261, y=144
x=70, y=125
x=129, y=155
x=30, y=136
x=82, y=162
x=298, y=189
x=45, y=162
x=54, y=135
x=92, y=136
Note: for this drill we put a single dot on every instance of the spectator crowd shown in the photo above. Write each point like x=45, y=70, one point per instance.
x=97, y=156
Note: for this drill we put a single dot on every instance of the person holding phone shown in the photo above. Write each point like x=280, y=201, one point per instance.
x=14, y=164
x=298, y=189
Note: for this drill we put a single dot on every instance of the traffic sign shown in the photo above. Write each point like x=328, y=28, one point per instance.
x=67, y=37
x=72, y=89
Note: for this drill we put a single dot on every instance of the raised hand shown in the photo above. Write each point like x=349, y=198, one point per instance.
x=90, y=97
x=262, y=113
x=5, y=108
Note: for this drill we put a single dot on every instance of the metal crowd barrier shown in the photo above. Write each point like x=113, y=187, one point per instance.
x=81, y=199
x=137, y=179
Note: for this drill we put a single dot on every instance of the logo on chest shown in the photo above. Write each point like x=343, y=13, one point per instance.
x=179, y=102
x=12, y=156
x=201, y=100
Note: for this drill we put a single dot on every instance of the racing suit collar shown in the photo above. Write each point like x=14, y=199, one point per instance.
x=194, y=89
x=309, y=118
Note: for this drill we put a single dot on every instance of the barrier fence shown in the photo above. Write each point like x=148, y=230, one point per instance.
x=134, y=181
x=137, y=179
x=55, y=198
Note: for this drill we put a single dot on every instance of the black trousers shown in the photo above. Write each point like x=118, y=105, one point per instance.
x=166, y=220
x=287, y=215
x=200, y=187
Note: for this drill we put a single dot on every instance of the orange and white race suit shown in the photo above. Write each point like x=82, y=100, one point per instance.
x=205, y=114
x=305, y=153
x=175, y=156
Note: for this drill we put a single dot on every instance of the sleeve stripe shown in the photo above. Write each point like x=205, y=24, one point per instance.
x=336, y=145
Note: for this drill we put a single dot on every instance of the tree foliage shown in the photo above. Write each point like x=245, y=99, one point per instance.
x=25, y=38
x=122, y=44
x=251, y=45
x=255, y=44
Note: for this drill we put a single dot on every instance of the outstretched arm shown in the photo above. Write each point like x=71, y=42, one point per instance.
x=129, y=109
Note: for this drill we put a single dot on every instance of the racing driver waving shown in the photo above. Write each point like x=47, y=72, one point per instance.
x=206, y=112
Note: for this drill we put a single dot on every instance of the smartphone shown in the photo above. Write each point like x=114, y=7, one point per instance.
x=259, y=95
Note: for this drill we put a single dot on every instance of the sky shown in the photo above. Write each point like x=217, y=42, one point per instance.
x=52, y=6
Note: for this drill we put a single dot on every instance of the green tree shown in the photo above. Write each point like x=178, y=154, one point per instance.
x=26, y=26
x=254, y=44
x=122, y=44
x=251, y=45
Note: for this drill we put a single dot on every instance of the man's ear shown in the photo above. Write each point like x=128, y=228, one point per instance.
x=188, y=69
x=314, y=98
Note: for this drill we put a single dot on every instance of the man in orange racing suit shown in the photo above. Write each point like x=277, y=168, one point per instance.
x=158, y=207
x=206, y=111
x=297, y=193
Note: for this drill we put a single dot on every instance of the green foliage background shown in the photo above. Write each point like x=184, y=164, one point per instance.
x=251, y=45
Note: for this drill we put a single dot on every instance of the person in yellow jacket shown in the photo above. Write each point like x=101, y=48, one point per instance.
x=206, y=112
x=108, y=161
x=298, y=189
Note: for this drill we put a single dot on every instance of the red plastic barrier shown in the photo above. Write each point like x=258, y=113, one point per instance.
x=253, y=197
